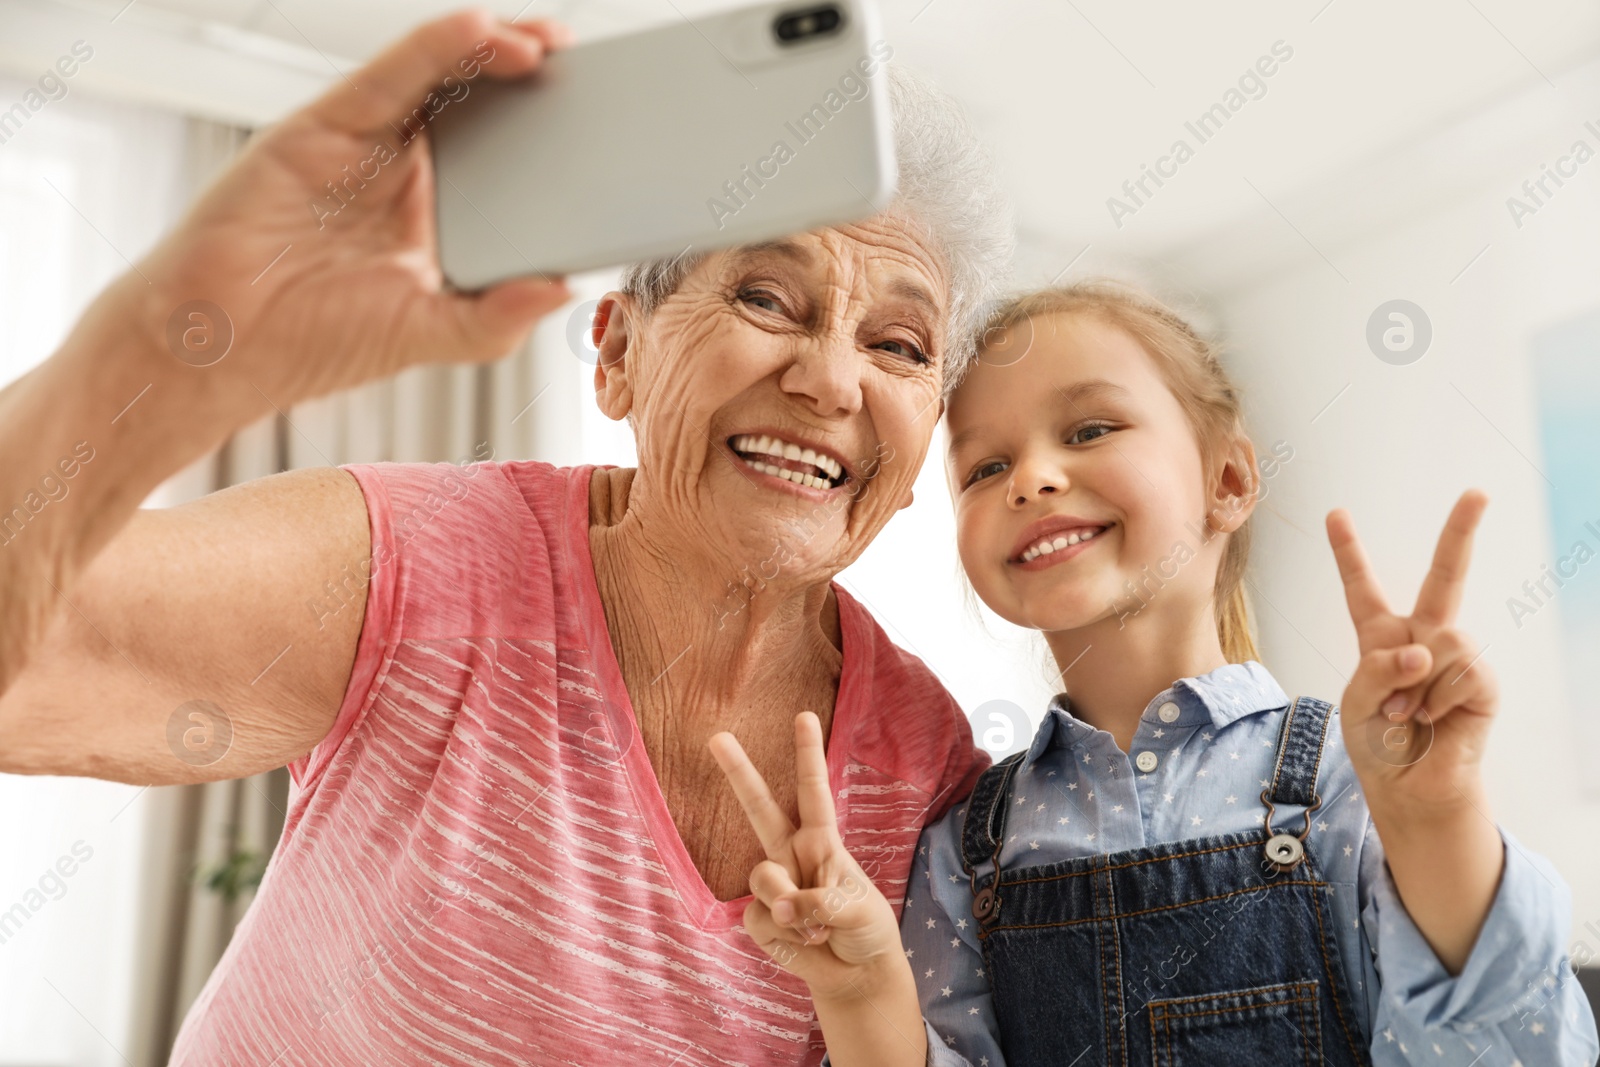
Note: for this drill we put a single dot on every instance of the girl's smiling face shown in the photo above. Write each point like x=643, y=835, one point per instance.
x=1080, y=435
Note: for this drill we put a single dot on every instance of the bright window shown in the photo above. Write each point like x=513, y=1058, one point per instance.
x=83, y=184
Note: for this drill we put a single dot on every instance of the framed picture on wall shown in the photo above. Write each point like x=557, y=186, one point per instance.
x=1566, y=362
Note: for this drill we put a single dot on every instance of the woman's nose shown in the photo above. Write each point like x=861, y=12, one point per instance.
x=827, y=372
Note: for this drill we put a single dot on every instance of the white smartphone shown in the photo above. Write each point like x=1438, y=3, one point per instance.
x=740, y=126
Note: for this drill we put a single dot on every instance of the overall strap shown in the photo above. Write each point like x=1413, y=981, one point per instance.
x=983, y=830
x=984, y=826
x=1300, y=741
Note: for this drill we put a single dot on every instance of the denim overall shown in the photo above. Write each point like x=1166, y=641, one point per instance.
x=1215, y=950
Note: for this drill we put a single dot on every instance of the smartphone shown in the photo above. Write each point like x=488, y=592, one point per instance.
x=740, y=126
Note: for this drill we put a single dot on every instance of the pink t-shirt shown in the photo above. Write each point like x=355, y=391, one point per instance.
x=479, y=866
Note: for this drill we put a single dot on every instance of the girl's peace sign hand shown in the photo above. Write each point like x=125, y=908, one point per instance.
x=1416, y=713
x=816, y=912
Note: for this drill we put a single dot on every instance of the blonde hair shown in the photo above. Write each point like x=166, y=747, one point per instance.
x=1190, y=366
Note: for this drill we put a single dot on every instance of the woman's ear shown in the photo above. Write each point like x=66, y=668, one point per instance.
x=612, y=331
x=1234, y=496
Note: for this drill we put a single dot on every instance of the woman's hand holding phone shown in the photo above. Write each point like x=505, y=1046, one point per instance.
x=318, y=242
x=301, y=270
x=819, y=915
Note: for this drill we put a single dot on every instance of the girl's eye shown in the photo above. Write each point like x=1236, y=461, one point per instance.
x=1092, y=426
x=983, y=471
x=915, y=354
x=761, y=299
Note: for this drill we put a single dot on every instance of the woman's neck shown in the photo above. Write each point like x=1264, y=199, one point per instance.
x=740, y=655
x=1113, y=669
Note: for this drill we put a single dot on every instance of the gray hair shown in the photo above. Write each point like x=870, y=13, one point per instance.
x=946, y=190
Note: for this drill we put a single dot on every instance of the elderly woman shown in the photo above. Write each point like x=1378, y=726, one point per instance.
x=511, y=843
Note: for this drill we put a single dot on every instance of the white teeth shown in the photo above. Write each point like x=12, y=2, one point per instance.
x=1056, y=544
x=791, y=476
x=774, y=446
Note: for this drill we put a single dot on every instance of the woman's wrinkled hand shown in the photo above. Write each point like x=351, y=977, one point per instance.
x=317, y=243
x=815, y=912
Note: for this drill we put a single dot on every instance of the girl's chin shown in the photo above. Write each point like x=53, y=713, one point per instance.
x=1066, y=610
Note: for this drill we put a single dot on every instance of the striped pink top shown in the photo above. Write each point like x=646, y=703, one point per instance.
x=479, y=866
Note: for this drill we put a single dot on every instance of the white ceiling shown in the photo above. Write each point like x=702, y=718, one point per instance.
x=1383, y=106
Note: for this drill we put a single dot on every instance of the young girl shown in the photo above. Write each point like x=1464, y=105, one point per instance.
x=1187, y=865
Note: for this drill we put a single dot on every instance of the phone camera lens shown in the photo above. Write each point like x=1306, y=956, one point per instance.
x=812, y=22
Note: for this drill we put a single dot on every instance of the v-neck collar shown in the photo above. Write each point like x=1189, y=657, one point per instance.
x=702, y=905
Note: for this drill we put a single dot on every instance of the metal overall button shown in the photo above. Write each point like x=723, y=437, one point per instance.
x=986, y=901
x=983, y=904
x=1284, y=851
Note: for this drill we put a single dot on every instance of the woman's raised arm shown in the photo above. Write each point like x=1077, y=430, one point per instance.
x=259, y=298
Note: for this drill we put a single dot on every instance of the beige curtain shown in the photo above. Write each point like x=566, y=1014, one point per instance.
x=224, y=831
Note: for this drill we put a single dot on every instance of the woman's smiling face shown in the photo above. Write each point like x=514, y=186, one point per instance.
x=1078, y=435
x=784, y=396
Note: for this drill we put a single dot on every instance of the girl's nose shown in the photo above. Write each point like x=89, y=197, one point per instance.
x=1031, y=479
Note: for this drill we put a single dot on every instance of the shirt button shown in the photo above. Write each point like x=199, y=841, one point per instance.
x=1168, y=712
x=1145, y=761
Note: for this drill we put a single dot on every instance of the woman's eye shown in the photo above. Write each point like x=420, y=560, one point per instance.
x=761, y=299
x=907, y=349
x=985, y=470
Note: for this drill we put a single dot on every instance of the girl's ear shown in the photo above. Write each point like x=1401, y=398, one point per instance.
x=615, y=340
x=1233, y=497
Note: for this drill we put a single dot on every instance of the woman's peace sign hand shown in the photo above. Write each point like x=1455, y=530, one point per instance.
x=1416, y=713
x=815, y=912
